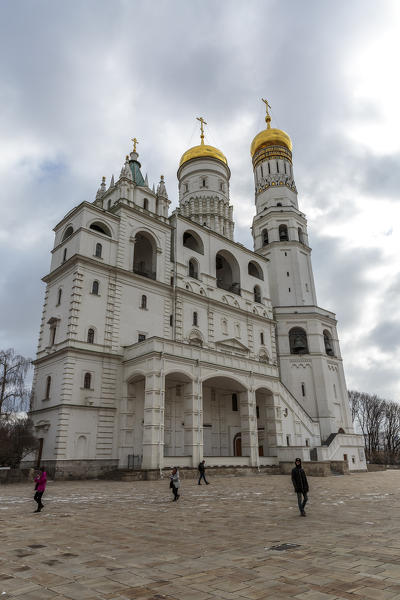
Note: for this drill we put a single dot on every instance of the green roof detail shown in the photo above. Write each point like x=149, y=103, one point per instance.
x=136, y=174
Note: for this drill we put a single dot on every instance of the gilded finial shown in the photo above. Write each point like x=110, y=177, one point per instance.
x=103, y=179
x=268, y=116
x=162, y=177
x=202, y=123
x=134, y=140
x=127, y=157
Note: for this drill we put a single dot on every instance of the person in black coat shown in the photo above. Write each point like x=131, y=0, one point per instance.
x=202, y=472
x=300, y=485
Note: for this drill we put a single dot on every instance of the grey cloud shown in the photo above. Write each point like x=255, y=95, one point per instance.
x=386, y=335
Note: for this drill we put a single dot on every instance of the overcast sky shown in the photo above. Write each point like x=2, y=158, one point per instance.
x=78, y=79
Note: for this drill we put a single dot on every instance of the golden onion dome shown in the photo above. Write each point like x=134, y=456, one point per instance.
x=203, y=151
x=270, y=137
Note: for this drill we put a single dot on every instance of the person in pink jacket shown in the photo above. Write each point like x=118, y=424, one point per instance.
x=40, y=481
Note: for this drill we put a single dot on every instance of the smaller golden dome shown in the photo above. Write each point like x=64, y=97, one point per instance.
x=270, y=136
x=203, y=151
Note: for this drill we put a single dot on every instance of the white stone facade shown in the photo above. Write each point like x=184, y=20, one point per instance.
x=163, y=341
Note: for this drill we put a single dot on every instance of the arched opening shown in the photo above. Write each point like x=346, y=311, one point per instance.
x=328, y=343
x=90, y=336
x=265, y=240
x=87, y=381
x=193, y=241
x=283, y=233
x=100, y=228
x=68, y=232
x=143, y=301
x=300, y=234
x=145, y=204
x=224, y=418
x=255, y=270
x=99, y=249
x=132, y=409
x=266, y=427
x=193, y=268
x=227, y=272
x=298, y=341
x=257, y=294
x=178, y=422
x=95, y=288
x=145, y=255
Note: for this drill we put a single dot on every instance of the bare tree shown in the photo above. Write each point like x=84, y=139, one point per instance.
x=17, y=440
x=13, y=370
x=370, y=415
x=392, y=429
x=354, y=399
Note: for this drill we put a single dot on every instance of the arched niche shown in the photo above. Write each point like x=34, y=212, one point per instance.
x=298, y=341
x=328, y=343
x=145, y=255
x=100, y=227
x=255, y=270
x=193, y=241
x=68, y=232
x=227, y=272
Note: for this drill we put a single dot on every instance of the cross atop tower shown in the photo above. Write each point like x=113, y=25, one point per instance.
x=134, y=140
x=202, y=123
x=268, y=116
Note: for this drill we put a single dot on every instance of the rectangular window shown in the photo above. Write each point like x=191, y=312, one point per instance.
x=307, y=443
x=269, y=170
x=53, y=335
x=234, y=402
x=171, y=320
x=141, y=337
x=288, y=440
x=303, y=389
x=262, y=338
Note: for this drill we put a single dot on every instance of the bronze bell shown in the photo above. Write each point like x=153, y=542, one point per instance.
x=328, y=346
x=298, y=344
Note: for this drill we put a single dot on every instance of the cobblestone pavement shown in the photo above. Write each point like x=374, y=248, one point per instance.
x=119, y=541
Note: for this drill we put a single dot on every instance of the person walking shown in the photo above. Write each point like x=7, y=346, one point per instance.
x=175, y=483
x=300, y=485
x=202, y=471
x=40, y=481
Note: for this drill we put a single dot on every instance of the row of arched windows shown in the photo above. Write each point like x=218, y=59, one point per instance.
x=298, y=342
x=283, y=235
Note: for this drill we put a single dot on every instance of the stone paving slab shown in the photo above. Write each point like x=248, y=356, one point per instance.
x=99, y=540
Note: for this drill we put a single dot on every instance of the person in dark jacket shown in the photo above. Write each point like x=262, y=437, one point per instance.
x=300, y=485
x=202, y=472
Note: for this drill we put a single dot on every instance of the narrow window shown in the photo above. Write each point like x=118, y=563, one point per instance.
x=145, y=204
x=59, y=297
x=285, y=253
x=287, y=273
x=234, y=402
x=257, y=294
x=262, y=338
x=171, y=281
x=334, y=391
x=262, y=173
x=90, y=336
x=195, y=319
x=303, y=389
x=65, y=255
x=109, y=204
x=289, y=289
x=141, y=337
x=279, y=203
x=193, y=270
x=171, y=320
x=87, y=381
x=306, y=287
x=95, y=288
x=186, y=187
x=288, y=440
x=221, y=187
x=204, y=183
x=99, y=249
x=284, y=164
x=53, y=335
x=143, y=303
x=258, y=412
x=283, y=233
x=307, y=442
x=265, y=237
x=48, y=386
x=277, y=167
x=269, y=170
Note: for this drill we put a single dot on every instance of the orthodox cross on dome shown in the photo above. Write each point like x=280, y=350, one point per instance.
x=268, y=116
x=134, y=140
x=202, y=123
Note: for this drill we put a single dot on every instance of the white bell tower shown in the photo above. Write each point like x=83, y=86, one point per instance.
x=308, y=345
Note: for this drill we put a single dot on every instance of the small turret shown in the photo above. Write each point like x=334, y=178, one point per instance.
x=162, y=202
x=102, y=189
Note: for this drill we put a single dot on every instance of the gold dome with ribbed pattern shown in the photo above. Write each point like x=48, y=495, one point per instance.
x=203, y=151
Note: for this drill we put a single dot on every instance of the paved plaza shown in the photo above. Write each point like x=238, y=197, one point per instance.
x=238, y=538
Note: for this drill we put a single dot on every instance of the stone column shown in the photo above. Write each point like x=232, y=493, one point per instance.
x=248, y=422
x=153, y=445
x=273, y=426
x=193, y=433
